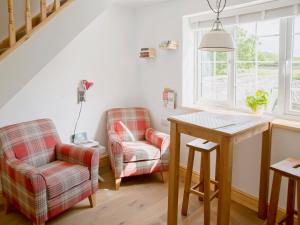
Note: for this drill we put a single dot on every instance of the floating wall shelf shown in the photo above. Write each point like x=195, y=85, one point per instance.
x=169, y=45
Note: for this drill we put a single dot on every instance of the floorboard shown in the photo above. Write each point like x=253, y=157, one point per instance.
x=141, y=200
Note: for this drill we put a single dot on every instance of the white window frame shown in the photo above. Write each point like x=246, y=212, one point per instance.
x=289, y=67
x=286, y=35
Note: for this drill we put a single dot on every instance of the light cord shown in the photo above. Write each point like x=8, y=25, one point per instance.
x=219, y=8
x=78, y=117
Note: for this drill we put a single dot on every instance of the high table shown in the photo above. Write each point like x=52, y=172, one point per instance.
x=226, y=129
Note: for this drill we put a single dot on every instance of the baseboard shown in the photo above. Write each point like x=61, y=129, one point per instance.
x=238, y=196
x=104, y=161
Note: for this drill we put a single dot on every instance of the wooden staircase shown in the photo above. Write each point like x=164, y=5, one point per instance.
x=32, y=23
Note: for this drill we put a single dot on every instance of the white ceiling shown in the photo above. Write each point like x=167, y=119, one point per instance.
x=137, y=3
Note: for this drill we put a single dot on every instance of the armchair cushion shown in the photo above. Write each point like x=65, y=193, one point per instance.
x=31, y=142
x=136, y=121
x=123, y=131
x=62, y=176
x=87, y=157
x=139, y=151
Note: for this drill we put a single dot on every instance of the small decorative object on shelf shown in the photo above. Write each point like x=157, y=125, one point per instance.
x=147, y=53
x=169, y=98
x=258, y=102
x=172, y=45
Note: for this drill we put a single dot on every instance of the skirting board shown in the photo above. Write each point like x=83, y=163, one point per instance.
x=237, y=195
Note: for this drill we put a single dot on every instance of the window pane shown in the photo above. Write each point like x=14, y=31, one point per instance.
x=268, y=69
x=267, y=80
x=296, y=71
x=206, y=56
x=296, y=50
x=214, y=81
x=297, y=25
x=295, y=87
x=268, y=49
x=246, y=43
x=270, y=27
x=295, y=82
x=257, y=64
x=221, y=57
x=245, y=82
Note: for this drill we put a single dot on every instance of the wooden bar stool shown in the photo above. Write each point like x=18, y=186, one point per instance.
x=204, y=191
x=289, y=168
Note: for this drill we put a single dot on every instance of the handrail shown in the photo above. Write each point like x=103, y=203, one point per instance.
x=18, y=36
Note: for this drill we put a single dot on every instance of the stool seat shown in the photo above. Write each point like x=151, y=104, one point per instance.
x=202, y=145
x=289, y=167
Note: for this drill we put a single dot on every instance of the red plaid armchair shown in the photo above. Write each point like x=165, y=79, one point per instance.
x=42, y=177
x=134, y=147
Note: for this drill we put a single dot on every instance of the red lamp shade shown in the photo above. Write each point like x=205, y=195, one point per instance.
x=87, y=84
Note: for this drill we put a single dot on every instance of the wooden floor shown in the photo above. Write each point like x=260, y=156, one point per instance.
x=140, y=201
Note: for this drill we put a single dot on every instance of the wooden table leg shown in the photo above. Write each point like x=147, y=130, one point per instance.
x=173, y=175
x=265, y=173
x=226, y=151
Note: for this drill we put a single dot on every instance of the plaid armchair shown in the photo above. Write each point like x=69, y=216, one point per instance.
x=42, y=177
x=134, y=147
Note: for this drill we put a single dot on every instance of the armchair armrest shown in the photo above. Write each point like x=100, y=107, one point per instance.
x=78, y=155
x=24, y=185
x=158, y=139
x=25, y=175
x=115, y=143
x=83, y=156
x=115, y=149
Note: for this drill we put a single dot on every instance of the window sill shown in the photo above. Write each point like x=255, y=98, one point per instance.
x=278, y=122
x=286, y=125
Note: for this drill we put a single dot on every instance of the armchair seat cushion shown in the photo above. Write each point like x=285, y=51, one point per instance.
x=61, y=176
x=134, y=151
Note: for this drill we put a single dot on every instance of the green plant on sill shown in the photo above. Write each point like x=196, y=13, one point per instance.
x=260, y=98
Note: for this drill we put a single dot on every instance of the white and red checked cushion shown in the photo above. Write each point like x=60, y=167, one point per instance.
x=61, y=176
x=129, y=123
x=139, y=151
x=31, y=142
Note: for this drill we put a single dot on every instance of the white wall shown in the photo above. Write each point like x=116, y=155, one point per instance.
x=103, y=52
x=20, y=66
x=162, y=22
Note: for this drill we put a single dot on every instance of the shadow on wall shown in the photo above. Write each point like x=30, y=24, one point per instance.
x=101, y=134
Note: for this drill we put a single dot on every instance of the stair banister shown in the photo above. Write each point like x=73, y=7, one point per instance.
x=28, y=17
x=11, y=23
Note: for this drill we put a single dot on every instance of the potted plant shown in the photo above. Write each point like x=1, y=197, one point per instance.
x=257, y=102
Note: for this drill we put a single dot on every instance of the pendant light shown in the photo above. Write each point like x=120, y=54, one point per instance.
x=217, y=40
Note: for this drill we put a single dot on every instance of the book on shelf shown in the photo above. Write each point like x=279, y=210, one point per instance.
x=146, y=55
x=147, y=49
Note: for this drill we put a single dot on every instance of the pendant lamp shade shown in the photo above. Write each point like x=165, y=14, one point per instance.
x=217, y=41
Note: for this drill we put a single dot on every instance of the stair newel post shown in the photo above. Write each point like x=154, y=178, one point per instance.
x=11, y=23
x=56, y=4
x=43, y=6
x=28, y=17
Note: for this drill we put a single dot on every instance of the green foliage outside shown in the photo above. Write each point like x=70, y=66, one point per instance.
x=246, y=51
x=260, y=98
